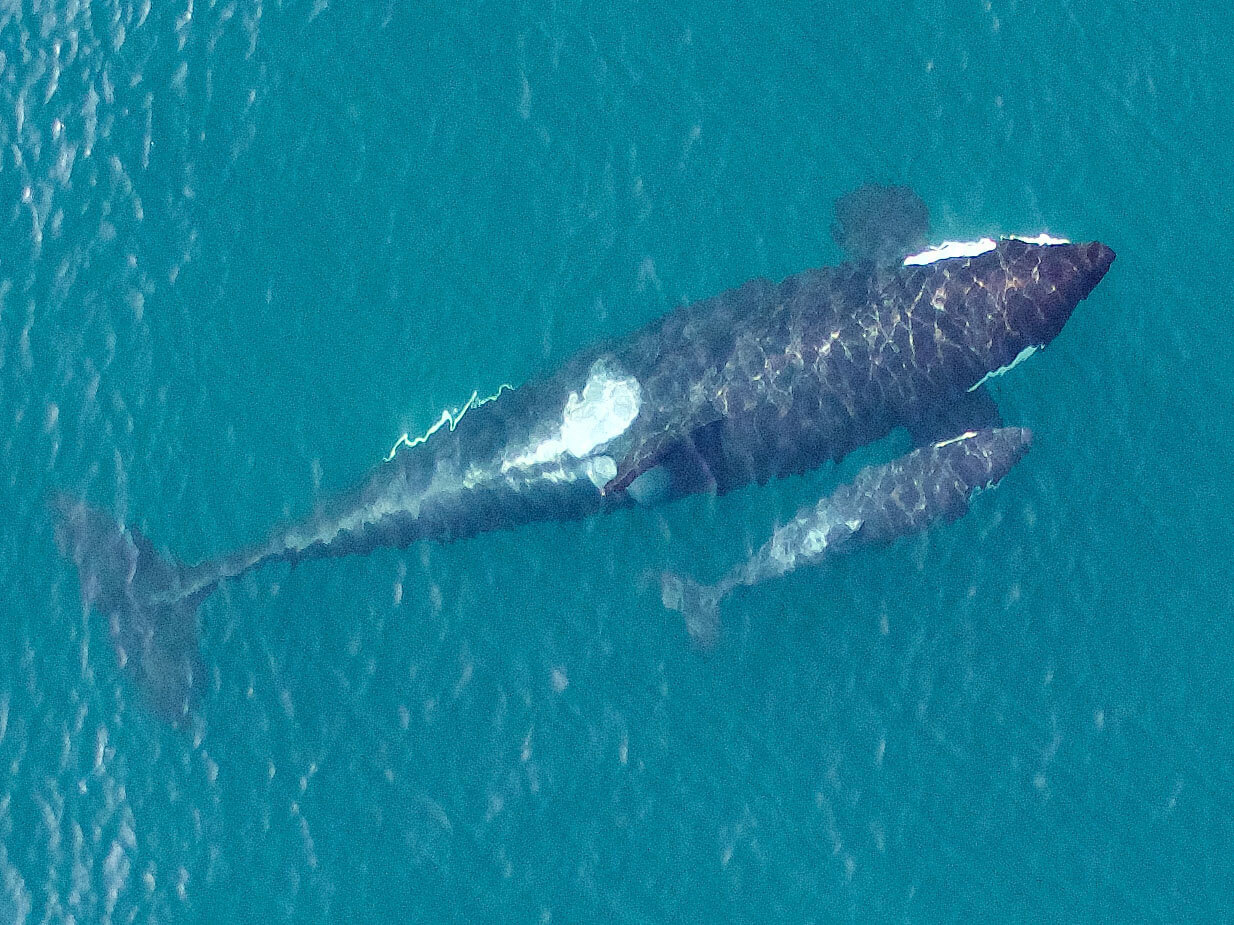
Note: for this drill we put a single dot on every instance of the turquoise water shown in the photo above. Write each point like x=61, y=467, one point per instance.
x=244, y=246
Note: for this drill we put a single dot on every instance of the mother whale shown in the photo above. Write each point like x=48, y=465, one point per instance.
x=760, y=381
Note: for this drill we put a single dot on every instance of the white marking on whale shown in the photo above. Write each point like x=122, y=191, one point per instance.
x=609, y=403
x=601, y=470
x=1023, y=355
x=967, y=435
x=1043, y=238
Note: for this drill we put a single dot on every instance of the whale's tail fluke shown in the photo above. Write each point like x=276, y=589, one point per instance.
x=699, y=603
x=151, y=610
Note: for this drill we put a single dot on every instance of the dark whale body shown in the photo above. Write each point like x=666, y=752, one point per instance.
x=761, y=381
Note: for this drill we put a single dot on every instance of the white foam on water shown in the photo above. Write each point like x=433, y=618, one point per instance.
x=948, y=250
x=1042, y=238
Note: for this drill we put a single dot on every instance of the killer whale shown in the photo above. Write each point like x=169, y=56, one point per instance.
x=761, y=381
x=932, y=484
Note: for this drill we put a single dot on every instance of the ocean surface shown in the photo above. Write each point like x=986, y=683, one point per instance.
x=244, y=245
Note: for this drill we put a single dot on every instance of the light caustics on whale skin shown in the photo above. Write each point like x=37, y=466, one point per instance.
x=950, y=249
x=610, y=401
x=570, y=451
x=602, y=410
x=586, y=419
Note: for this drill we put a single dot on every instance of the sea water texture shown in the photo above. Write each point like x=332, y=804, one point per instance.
x=244, y=245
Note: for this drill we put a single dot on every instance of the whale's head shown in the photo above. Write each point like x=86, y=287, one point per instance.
x=1015, y=296
x=1044, y=284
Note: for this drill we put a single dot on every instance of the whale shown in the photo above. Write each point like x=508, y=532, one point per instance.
x=759, y=382
x=884, y=503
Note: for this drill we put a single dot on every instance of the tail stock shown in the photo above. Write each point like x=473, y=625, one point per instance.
x=151, y=610
x=699, y=603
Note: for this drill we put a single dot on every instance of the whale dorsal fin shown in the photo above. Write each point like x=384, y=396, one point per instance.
x=881, y=224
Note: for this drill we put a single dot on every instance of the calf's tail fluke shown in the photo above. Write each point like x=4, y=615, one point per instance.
x=699, y=603
x=149, y=603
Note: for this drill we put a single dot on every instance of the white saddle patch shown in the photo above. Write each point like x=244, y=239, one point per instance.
x=609, y=403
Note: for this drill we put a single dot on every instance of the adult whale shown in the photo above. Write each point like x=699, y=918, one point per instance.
x=761, y=381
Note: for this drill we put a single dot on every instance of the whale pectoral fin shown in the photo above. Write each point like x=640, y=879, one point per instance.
x=689, y=462
x=975, y=410
x=881, y=224
x=643, y=457
x=682, y=447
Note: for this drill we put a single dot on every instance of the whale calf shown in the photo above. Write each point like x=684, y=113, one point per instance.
x=883, y=503
x=762, y=381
